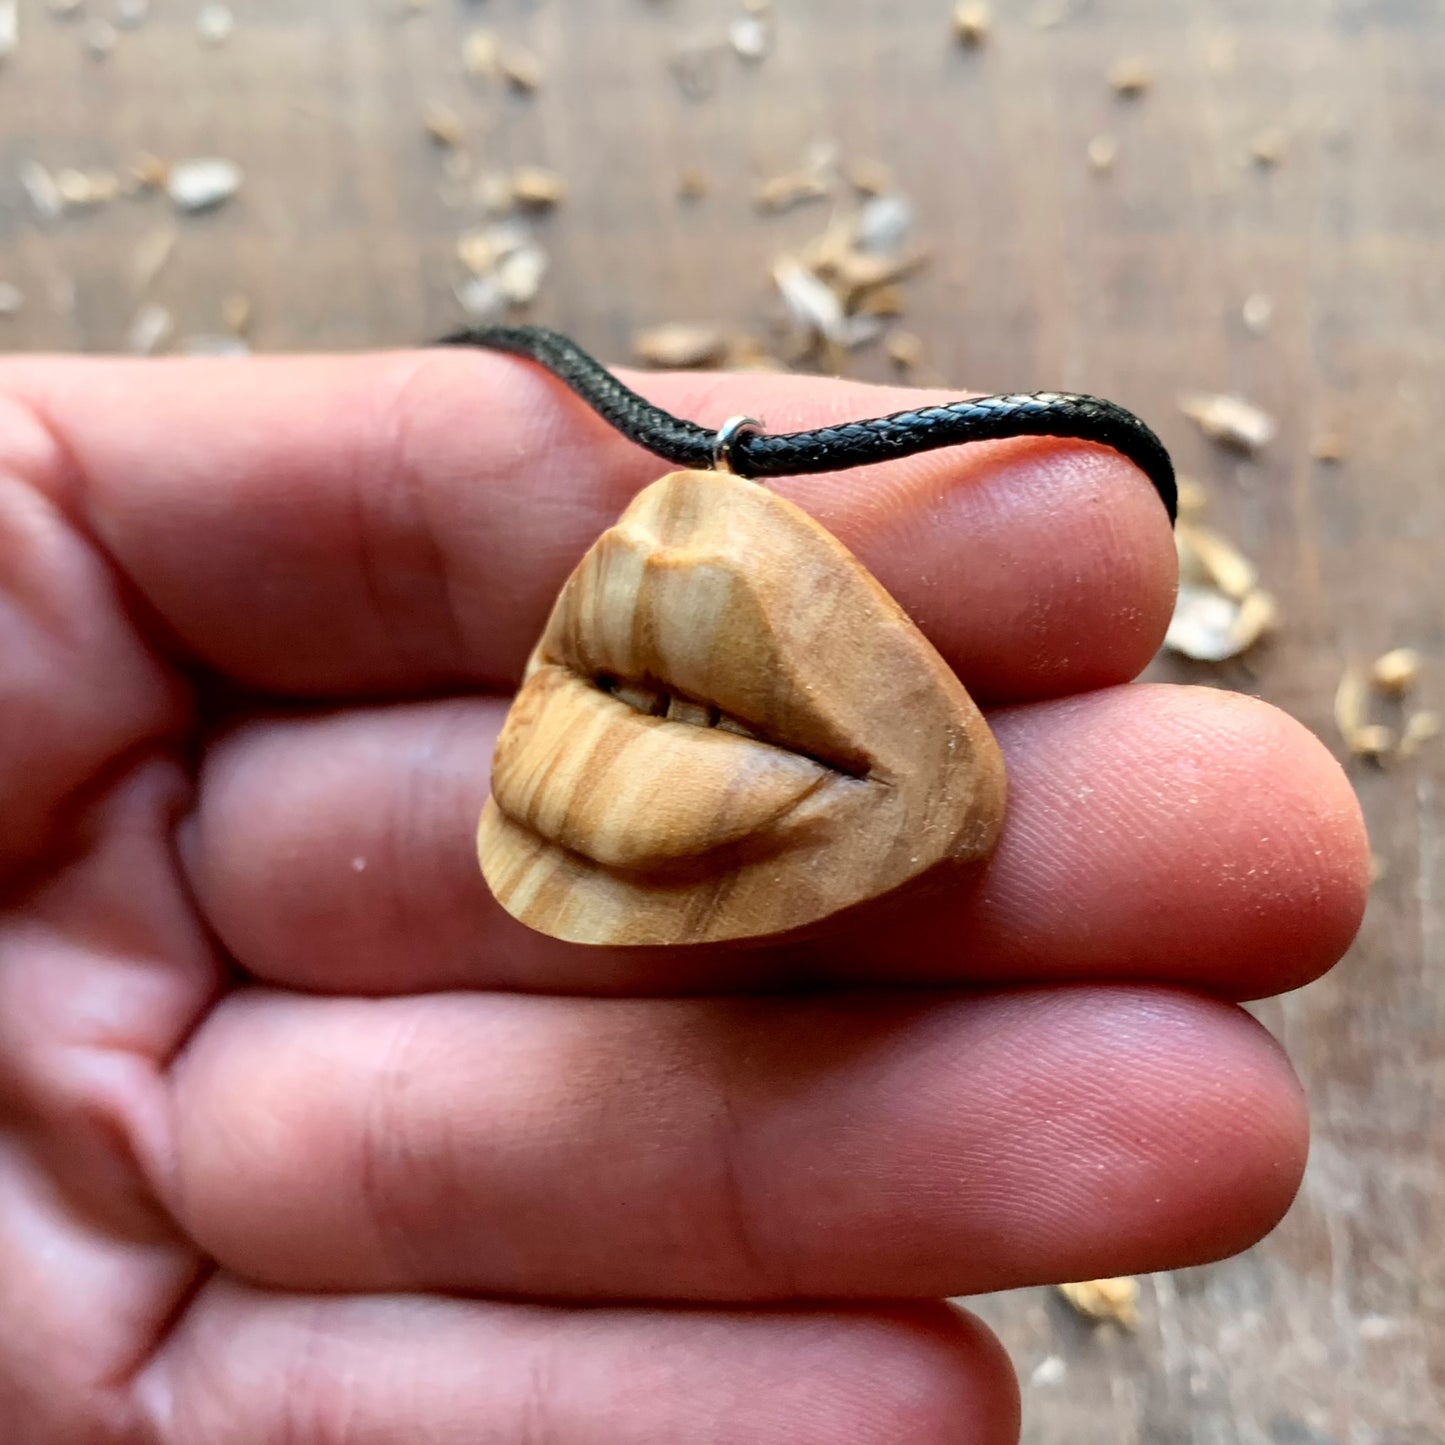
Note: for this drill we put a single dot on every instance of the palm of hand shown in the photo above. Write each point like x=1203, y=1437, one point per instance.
x=303, y=1139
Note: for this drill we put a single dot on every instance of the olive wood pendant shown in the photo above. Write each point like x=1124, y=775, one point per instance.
x=728, y=730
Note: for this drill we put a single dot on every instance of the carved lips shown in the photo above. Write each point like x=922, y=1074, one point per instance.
x=728, y=730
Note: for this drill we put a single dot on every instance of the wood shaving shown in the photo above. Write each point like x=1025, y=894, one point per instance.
x=817, y=309
x=884, y=225
x=237, y=313
x=1375, y=741
x=1113, y=1300
x=905, y=350
x=1329, y=447
x=481, y=298
x=692, y=184
x=149, y=331
x=149, y=171
x=1269, y=147
x=132, y=14
x=1420, y=728
x=203, y=184
x=80, y=190
x=100, y=37
x=39, y=186
x=869, y=178
x=1205, y=556
x=1257, y=312
x=520, y=274
x=886, y=301
x=151, y=257
x=750, y=37
x=1397, y=671
x=214, y=24
x=12, y=298
x=793, y=188
x=480, y=251
x=1208, y=626
x=538, y=188
x=482, y=55
x=9, y=28
x=972, y=23
x=1230, y=420
x=1193, y=498
x=492, y=191
x=444, y=126
x=1103, y=152
x=1352, y=705
x=1130, y=77
x=521, y=69
x=680, y=345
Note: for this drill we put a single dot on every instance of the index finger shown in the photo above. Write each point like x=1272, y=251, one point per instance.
x=401, y=522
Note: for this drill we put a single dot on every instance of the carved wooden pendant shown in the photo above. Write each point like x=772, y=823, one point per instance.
x=728, y=730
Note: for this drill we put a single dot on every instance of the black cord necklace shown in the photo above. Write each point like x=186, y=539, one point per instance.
x=743, y=447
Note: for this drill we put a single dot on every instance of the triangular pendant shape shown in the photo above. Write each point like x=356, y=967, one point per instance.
x=729, y=730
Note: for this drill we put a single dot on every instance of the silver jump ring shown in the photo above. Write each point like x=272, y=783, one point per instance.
x=727, y=438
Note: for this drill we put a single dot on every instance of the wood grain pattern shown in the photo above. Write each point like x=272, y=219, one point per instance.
x=1129, y=283
x=729, y=730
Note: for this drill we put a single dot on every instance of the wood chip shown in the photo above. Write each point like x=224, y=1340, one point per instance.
x=1206, y=556
x=884, y=225
x=905, y=350
x=214, y=24
x=520, y=274
x=538, y=188
x=792, y=188
x=482, y=55
x=1420, y=728
x=99, y=37
x=444, y=126
x=149, y=171
x=150, y=330
x=1375, y=741
x=972, y=23
x=1230, y=420
x=1207, y=626
x=869, y=178
x=1269, y=147
x=1352, y=705
x=1103, y=152
x=39, y=185
x=481, y=251
x=9, y=28
x=1193, y=498
x=886, y=301
x=750, y=37
x=203, y=184
x=151, y=256
x=80, y=190
x=521, y=69
x=1131, y=77
x=1257, y=312
x=1397, y=671
x=237, y=313
x=1115, y=1300
x=680, y=345
x=1329, y=447
x=12, y=299
x=692, y=184
x=482, y=299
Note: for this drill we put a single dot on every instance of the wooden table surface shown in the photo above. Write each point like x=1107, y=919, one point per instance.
x=1044, y=273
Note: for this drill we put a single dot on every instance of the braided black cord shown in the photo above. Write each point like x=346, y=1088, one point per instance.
x=835, y=448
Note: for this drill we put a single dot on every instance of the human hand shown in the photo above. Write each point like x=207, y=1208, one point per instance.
x=301, y=1138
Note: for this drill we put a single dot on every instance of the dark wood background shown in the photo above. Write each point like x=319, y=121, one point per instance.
x=1333, y=1331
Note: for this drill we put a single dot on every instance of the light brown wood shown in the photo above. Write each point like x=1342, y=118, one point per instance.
x=729, y=730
